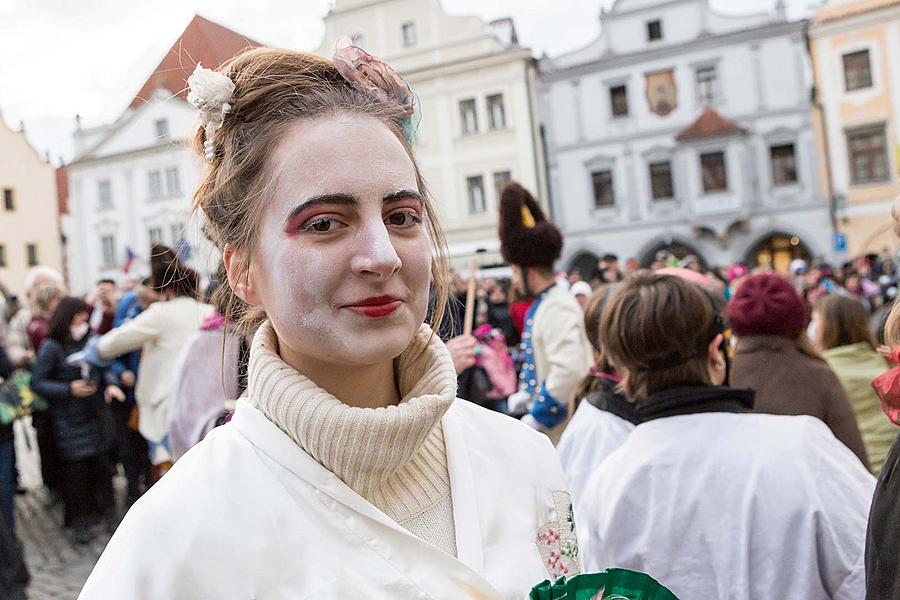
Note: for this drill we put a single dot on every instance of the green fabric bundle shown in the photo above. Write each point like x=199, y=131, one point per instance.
x=612, y=584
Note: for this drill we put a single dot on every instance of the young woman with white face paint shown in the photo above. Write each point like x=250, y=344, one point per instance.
x=350, y=469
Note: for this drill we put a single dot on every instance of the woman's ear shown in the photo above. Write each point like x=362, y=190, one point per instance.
x=238, y=277
x=716, y=360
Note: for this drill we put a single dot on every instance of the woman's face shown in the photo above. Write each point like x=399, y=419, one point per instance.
x=343, y=262
x=79, y=319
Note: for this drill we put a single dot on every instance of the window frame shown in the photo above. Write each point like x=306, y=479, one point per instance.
x=658, y=34
x=172, y=190
x=3, y=256
x=471, y=198
x=711, y=153
x=490, y=111
x=671, y=185
x=883, y=155
x=152, y=238
x=867, y=81
x=497, y=177
x=108, y=254
x=464, y=127
x=612, y=100
x=9, y=199
x=594, y=175
x=773, y=147
x=409, y=33
x=155, y=174
x=104, y=200
x=32, y=254
x=713, y=97
x=162, y=128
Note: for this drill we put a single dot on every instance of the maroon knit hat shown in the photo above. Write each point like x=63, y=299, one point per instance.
x=767, y=305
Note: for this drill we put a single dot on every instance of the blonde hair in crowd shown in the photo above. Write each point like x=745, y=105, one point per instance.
x=275, y=88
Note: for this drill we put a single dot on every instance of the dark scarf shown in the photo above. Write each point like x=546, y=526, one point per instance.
x=607, y=398
x=694, y=400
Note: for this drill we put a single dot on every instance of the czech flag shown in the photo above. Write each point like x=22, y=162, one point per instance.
x=130, y=257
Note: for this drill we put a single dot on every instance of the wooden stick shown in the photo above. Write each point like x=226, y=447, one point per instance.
x=470, y=298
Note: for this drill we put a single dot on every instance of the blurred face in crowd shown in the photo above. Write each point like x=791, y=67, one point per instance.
x=497, y=295
x=343, y=263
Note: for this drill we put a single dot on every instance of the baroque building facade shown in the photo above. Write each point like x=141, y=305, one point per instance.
x=685, y=130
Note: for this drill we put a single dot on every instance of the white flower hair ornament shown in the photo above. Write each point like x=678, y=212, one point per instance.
x=210, y=93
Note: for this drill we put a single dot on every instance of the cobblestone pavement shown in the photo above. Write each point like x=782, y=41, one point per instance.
x=58, y=566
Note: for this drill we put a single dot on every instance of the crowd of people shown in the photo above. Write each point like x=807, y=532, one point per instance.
x=390, y=431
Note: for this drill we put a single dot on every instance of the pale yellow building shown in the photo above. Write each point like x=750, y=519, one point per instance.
x=29, y=223
x=855, y=49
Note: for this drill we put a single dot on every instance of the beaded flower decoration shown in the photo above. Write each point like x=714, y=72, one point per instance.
x=210, y=93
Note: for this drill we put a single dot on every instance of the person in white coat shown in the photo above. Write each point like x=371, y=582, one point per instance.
x=603, y=416
x=160, y=332
x=350, y=470
x=705, y=496
x=556, y=350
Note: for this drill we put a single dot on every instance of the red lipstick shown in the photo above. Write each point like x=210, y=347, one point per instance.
x=376, y=306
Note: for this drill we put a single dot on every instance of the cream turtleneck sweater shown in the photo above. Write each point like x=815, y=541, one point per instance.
x=394, y=457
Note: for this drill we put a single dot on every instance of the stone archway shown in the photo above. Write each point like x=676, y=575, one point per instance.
x=677, y=248
x=776, y=250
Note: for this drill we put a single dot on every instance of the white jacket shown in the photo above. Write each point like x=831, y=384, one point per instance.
x=160, y=332
x=248, y=515
x=733, y=507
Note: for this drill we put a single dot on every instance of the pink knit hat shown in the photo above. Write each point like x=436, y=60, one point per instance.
x=767, y=304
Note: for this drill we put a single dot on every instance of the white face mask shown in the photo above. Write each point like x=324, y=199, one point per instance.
x=79, y=331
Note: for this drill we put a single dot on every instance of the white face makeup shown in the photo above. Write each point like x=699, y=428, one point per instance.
x=343, y=263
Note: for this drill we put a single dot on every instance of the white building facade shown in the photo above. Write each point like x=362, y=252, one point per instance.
x=476, y=88
x=130, y=185
x=684, y=130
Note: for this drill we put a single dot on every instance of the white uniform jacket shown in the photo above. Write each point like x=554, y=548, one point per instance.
x=732, y=507
x=590, y=437
x=248, y=515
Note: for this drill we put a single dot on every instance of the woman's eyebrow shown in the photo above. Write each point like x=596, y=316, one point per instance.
x=338, y=198
x=398, y=195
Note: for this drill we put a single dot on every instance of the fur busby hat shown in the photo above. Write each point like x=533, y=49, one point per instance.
x=527, y=238
x=167, y=272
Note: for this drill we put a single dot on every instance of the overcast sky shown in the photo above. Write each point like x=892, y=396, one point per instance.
x=62, y=57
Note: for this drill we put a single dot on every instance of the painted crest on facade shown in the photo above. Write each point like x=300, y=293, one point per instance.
x=662, y=94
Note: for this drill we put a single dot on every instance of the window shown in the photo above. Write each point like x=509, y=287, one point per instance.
x=654, y=30
x=104, y=195
x=154, y=183
x=108, y=246
x=603, y=188
x=409, y=35
x=707, y=79
x=173, y=187
x=177, y=230
x=358, y=40
x=162, y=128
x=8, y=200
x=784, y=164
x=2, y=255
x=155, y=234
x=468, y=116
x=501, y=178
x=31, y=251
x=477, y=202
x=857, y=70
x=496, y=112
x=712, y=168
x=867, y=149
x=618, y=97
x=661, y=187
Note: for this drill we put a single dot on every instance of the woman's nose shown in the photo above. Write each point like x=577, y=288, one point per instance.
x=375, y=255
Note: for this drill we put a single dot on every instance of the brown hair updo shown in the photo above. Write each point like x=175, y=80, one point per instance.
x=274, y=88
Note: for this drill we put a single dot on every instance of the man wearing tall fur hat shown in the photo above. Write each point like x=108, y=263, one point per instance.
x=557, y=352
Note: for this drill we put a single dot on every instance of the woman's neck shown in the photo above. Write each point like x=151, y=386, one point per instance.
x=370, y=386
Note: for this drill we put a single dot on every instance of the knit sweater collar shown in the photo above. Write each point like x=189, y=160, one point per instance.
x=364, y=447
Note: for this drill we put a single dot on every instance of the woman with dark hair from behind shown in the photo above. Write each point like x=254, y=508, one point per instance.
x=603, y=416
x=842, y=332
x=79, y=418
x=712, y=499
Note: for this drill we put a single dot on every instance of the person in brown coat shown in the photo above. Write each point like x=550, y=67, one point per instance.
x=775, y=357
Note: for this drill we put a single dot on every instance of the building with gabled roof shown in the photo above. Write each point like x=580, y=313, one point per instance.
x=131, y=180
x=680, y=129
x=29, y=222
